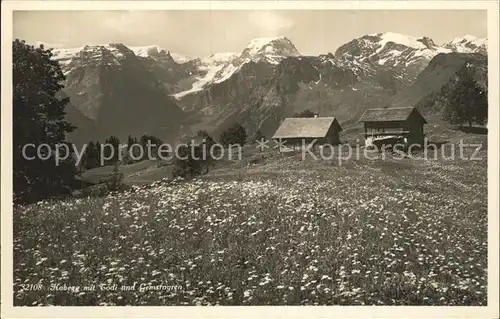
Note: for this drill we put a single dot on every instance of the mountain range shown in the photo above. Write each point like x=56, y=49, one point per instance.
x=116, y=89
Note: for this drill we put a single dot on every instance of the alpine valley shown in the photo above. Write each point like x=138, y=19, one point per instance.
x=115, y=89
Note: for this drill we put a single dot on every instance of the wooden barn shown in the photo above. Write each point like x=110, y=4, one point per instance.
x=401, y=125
x=295, y=132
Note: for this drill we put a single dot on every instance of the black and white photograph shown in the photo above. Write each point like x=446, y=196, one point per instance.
x=259, y=156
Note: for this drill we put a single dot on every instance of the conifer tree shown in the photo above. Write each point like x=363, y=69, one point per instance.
x=38, y=118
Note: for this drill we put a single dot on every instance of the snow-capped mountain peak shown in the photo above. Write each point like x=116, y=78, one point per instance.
x=65, y=55
x=155, y=51
x=377, y=46
x=220, y=67
x=277, y=46
x=468, y=44
x=269, y=49
x=468, y=38
x=218, y=58
x=397, y=38
x=146, y=51
x=209, y=66
x=106, y=54
x=392, y=49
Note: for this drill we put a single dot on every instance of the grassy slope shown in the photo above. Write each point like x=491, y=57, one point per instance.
x=147, y=171
x=282, y=232
x=137, y=173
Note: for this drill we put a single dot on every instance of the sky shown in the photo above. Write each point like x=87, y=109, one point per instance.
x=200, y=33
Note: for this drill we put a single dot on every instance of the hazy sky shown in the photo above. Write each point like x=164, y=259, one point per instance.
x=199, y=33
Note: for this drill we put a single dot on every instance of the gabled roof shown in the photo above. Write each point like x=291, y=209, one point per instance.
x=389, y=114
x=310, y=127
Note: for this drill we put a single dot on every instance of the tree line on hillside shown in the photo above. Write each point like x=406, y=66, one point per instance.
x=115, y=151
x=189, y=164
x=39, y=118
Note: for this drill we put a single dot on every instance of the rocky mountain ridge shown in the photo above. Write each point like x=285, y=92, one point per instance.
x=267, y=80
x=113, y=87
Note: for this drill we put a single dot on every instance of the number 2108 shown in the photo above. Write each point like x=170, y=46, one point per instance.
x=33, y=287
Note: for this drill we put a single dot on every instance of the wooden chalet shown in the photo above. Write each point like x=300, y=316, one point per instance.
x=295, y=132
x=404, y=124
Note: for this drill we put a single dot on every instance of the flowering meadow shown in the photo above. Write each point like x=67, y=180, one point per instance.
x=286, y=232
